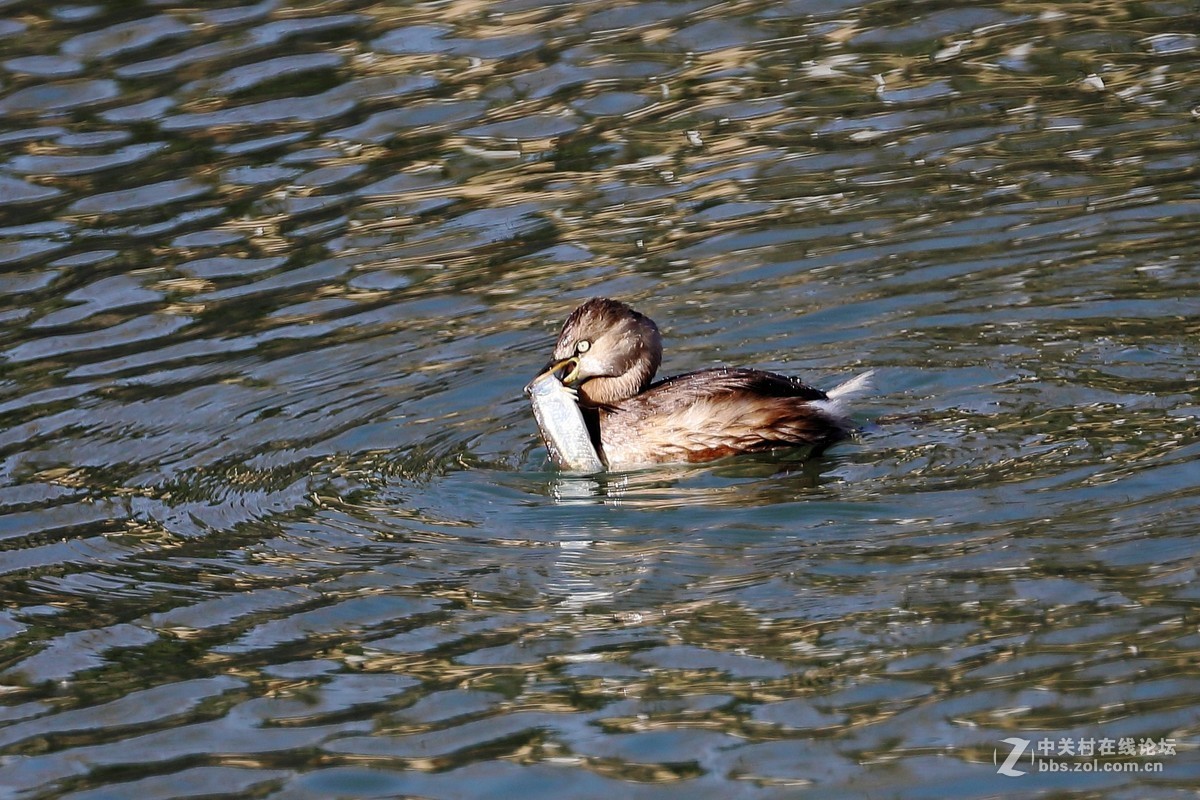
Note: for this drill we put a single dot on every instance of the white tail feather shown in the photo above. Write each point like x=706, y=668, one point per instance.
x=844, y=392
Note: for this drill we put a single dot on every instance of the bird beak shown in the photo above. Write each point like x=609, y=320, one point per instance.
x=566, y=371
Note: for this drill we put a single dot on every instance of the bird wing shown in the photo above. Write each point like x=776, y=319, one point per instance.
x=712, y=383
x=716, y=412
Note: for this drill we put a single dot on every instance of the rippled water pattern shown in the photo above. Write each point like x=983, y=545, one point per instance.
x=274, y=516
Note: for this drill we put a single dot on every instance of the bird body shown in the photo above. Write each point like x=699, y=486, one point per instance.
x=609, y=353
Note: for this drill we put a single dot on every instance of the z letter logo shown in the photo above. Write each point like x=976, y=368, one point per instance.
x=1018, y=749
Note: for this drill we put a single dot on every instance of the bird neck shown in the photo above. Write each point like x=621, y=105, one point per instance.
x=611, y=390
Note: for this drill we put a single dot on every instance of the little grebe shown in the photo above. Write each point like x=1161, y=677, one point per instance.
x=609, y=353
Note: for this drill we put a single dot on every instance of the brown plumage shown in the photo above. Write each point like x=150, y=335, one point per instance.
x=610, y=353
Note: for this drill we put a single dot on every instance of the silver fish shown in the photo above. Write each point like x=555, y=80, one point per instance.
x=556, y=408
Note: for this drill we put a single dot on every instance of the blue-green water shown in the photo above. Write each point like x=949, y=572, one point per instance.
x=275, y=521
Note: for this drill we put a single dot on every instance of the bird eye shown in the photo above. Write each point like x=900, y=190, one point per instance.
x=583, y=346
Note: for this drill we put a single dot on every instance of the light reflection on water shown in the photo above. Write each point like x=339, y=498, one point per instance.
x=274, y=517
